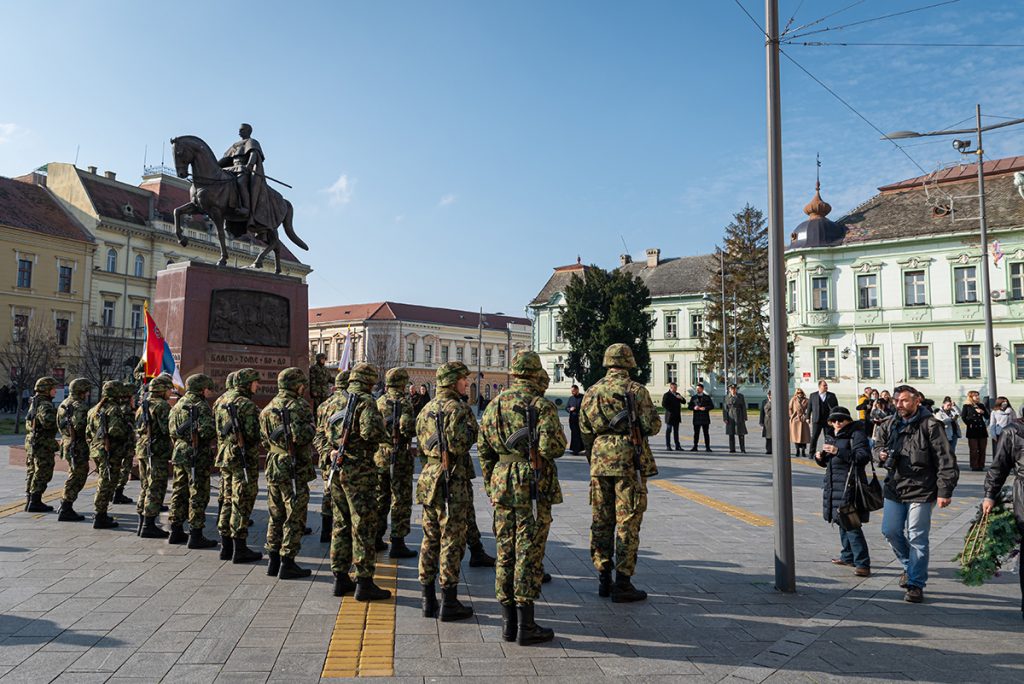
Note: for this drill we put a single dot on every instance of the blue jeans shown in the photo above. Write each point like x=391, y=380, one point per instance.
x=906, y=526
x=855, y=548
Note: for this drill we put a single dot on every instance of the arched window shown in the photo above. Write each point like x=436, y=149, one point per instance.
x=140, y=265
x=111, y=260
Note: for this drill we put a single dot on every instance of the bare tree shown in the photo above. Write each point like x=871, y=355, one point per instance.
x=30, y=353
x=382, y=347
x=105, y=355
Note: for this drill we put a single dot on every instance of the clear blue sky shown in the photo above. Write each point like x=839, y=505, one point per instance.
x=451, y=153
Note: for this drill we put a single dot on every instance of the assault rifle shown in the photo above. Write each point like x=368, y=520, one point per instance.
x=286, y=429
x=442, y=447
x=396, y=433
x=236, y=428
x=347, y=417
x=531, y=433
x=193, y=428
x=636, y=436
x=67, y=430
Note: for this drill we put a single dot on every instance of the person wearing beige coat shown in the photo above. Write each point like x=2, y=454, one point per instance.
x=799, y=428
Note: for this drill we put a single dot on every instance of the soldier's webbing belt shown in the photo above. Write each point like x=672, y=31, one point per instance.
x=513, y=458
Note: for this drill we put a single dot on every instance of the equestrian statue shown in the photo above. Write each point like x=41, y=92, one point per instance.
x=233, y=192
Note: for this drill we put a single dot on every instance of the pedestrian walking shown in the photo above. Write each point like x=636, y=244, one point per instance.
x=40, y=444
x=194, y=431
x=239, y=447
x=573, y=408
x=672, y=402
x=912, y=445
x=844, y=456
x=734, y=413
x=765, y=421
x=799, y=428
x=395, y=464
x=72, y=415
x=865, y=404
x=975, y=416
x=1002, y=415
x=819, y=408
x=950, y=417
x=701, y=405
x=1008, y=458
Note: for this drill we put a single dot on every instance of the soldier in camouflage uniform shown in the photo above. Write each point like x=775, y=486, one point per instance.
x=125, y=455
x=107, y=431
x=72, y=415
x=224, y=486
x=618, y=493
x=521, y=523
x=238, y=457
x=195, y=443
x=289, y=471
x=40, y=444
x=153, y=444
x=395, y=463
x=444, y=520
x=358, y=427
x=322, y=445
x=319, y=381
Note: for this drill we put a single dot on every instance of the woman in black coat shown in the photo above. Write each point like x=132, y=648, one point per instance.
x=1009, y=458
x=847, y=450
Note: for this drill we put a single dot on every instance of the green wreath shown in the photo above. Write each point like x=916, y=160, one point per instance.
x=990, y=541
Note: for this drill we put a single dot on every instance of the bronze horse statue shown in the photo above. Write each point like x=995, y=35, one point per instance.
x=214, y=192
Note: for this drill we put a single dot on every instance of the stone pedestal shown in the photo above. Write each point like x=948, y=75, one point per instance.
x=218, y=319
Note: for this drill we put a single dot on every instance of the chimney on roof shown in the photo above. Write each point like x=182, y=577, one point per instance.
x=110, y=174
x=92, y=170
x=653, y=257
x=625, y=259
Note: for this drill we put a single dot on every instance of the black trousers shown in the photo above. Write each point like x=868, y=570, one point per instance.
x=743, y=443
x=671, y=431
x=696, y=436
x=818, y=429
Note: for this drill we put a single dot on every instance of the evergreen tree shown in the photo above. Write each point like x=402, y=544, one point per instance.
x=603, y=308
x=746, y=293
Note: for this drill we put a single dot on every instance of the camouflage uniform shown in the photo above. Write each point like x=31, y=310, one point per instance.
x=72, y=415
x=107, y=431
x=322, y=446
x=354, y=485
x=238, y=457
x=153, y=444
x=395, y=462
x=224, y=481
x=617, y=496
x=521, y=533
x=319, y=381
x=289, y=471
x=190, y=491
x=125, y=455
x=444, y=523
x=40, y=444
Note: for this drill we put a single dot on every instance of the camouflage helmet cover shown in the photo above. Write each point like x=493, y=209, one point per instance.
x=396, y=377
x=526, y=363
x=229, y=381
x=365, y=373
x=619, y=356
x=321, y=357
x=450, y=373
x=199, y=382
x=46, y=383
x=110, y=389
x=341, y=379
x=246, y=376
x=291, y=379
x=80, y=386
x=161, y=383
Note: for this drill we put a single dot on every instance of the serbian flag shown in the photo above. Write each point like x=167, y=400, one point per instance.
x=158, y=353
x=346, y=354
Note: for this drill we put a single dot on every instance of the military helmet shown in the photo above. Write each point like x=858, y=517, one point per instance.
x=46, y=383
x=199, y=382
x=526, y=363
x=161, y=383
x=619, y=356
x=80, y=386
x=291, y=379
x=341, y=379
x=110, y=389
x=396, y=377
x=229, y=381
x=122, y=391
x=365, y=373
x=321, y=357
x=450, y=373
x=245, y=377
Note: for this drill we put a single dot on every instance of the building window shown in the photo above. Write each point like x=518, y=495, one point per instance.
x=918, y=366
x=460, y=354
x=819, y=293
x=870, y=363
x=410, y=352
x=694, y=374
x=136, y=316
x=501, y=358
x=24, y=273
x=108, y=314
x=965, y=281
x=913, y=288
x=671, y=373
x=444, y=353
x=557, y=325
x=488, y=358
x=20, y=328
x=140, y=265
x=62, y=331
x=1018, y=362
x=696, y=325
x=474, y=354
x=1017, y=281
x=428, y=353
x=111, y=260
x=791, y=296
x=64, y=279
x=826, y=362
x=867, y=291
x=671, y=326
x=559, y=371
x=970, y=361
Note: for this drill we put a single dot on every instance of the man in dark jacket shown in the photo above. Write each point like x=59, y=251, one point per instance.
x=573, y=406
x=912, y=445
x=1009, y=458
x=672, y=402
x=819, y=407
x=701, y=405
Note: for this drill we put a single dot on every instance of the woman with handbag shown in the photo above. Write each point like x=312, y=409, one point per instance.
x=844, y=457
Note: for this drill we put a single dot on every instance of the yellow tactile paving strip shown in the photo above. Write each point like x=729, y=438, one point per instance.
x=720, y=506
x=363, y=641
x=52, y=495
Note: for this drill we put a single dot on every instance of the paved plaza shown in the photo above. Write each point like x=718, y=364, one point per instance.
x=83, y=605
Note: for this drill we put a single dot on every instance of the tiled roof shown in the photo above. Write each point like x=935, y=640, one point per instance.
x=32, y=207
x=111, y=199
x=395, y=311
x=344, y=313
x=960, y=172
x=672, y=277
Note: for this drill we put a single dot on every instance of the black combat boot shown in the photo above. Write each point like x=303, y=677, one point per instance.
x=366, y=590
x=343, y=584
x=274, y=566
x=326, y=523
x=120, y=498
x=196, y=540
x=529, y=631
x=177, y=535
x=451, y=608
x=604, y=581
x=150, y=530
x=308, y=530
x=142, y=523
x=291, y=570
x=478, y=557
x=243, y=554
x=399, y=549
x=429, y=601
x=102, y=521
x=227, y=548
x=509, y=621
x=743, y=444
x=545, y=578
x=68, y=514
x=623, y=590
x=379, y=544
x=36, y=505
x=28, y=500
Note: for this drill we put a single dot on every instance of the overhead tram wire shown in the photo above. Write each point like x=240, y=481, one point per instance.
x=795, y=12
x=867, y=21
x=819, y=43
x=751, y=17
x=827, y=16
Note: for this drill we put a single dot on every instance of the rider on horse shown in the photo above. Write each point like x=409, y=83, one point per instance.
x=245, y=159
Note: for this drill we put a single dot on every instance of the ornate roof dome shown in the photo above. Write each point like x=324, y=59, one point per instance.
x=817, y=230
